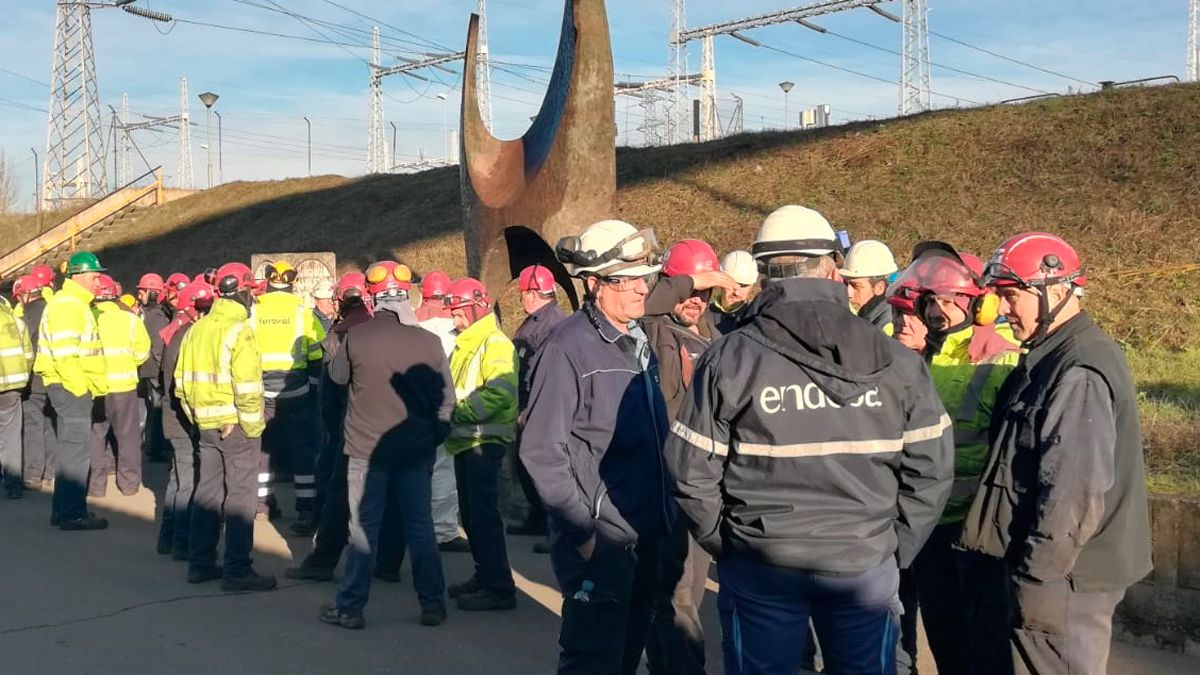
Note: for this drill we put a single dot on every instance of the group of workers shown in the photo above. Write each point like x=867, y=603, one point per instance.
x=847, y=440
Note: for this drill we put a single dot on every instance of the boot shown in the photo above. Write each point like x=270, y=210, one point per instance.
x=334, y=616
x=309, y=573
x=465, y=588
x=433, y=616
x=251, y=581
x=305, y=525
x=89, y=522
x=199, y=575
x=486, y=601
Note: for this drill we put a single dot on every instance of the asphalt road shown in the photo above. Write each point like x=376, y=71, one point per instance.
x=104, y=602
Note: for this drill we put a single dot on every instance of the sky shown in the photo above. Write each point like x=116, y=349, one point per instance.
x=268, y=83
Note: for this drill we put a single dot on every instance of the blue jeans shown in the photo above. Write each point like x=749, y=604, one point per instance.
x=765, y=612
x=405, y=483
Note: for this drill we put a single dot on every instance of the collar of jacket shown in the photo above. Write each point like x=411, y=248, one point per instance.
x=869, y=310
x=545, y=311
x=1074, y=326
x=607, y=330
x=107, y=307
x=954, y=349
x=224, y=308
x=72, y=288
x=479, y=330
x=801, y=290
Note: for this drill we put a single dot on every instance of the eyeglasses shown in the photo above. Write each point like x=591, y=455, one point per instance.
x=629, y=283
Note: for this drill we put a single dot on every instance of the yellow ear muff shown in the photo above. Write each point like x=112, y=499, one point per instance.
x=987, y=310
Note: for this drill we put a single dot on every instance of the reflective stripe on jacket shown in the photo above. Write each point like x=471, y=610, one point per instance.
x=218, y=377
x=16, y=351
x=69, y=350
x=125, y=343
x=289, y=339
x=484, y=366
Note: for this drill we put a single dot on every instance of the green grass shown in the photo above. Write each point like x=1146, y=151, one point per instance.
x=1169, y=404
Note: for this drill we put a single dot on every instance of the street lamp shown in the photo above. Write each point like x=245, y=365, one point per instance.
x=209, y=99
x=308, y=124
x=220, y=152
x=445, y=122
x=786, y=87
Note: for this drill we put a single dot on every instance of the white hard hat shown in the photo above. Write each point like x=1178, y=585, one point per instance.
x=869, y=258
x=610, y=248
x=740, y=266
x=795, y=230
x=323, y=290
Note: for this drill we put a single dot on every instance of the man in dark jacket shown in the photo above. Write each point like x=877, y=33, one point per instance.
x=1062, y=500
x=399, y=410
x=812, y=457
x=156, y=315
x=38, y=434
x=593, y=444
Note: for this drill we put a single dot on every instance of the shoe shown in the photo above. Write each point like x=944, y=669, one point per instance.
x=542, y=547
x=309, y=573
x=465, y=588
x=199, y=575
x=455, y=545
x=179, y=554
x=163, y=548
x=89, y=522
x=252, y=581
x=14, y=491
x=433, y=616
x=526, y=529
x=332, y=615
x=387, y=575
x=486, y=601
x=305, y=525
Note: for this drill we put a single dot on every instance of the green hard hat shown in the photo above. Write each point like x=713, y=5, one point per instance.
x=82, y=262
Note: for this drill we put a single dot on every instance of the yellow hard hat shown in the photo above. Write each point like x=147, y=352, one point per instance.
x=281, y=273
x=129, y=301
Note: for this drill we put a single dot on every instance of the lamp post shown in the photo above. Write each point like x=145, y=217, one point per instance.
x=308, y=124
x=445, y=122
x=209, y=99
x=220, y=152
x=786, y=87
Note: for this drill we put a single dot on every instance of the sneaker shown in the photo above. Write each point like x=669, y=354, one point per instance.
x=305, y=525
x=486, y=601
x=89, y=522
x=433, y=616
x=542, y=547
x=199, y=575
x=251, y=581
x=332, y=615
x=14, y=490
x=309, y=573
x=387, y=575
x=465, y=588
x=527, y=529
x=455, y=545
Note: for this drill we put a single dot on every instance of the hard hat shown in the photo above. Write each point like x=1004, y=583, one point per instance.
x=352, y=285
x=43, y=274
x=740, y=267
x=435, y=284
x=83, y=262
x=197, y=295
x=795, y=230
x=198, y=277
x=150, y=282
x=388, y=277
x=610, y=248
x=178, y=280
x=868, y=258
x=129, y=301
x=106, y=289
x=281, y=274
x=466, y=292
x=260, y=287
x=902, y=294
x=231, y=278
x=1034, y=259
x=323, y=290
x=536, y=278
x=937, y=268
x=21, y=285
x=689, y=256
x=973, y=263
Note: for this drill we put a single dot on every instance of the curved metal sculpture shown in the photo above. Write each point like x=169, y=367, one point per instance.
x=521, y=196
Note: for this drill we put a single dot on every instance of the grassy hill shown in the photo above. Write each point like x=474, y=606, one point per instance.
x=1117, y=173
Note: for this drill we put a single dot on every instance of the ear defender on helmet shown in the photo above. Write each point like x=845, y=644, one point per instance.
x=987, y=309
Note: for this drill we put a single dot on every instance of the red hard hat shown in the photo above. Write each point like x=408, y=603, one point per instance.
x=107, y=288
x=150, y=282
x=466, y=292
x=388, y=277
x=1034, y=259
x=43, y=274
x=536, y=278
x=435, y=284
x=352, y=285
x=690, y=256
x=196, y=295
x=937, y=268
x=233, y=277
x=19, y=286
x=177, y=280
x=902, y=294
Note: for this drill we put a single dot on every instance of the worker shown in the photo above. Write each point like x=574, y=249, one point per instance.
x=176, y=281
x=399, y=410
x=126, y=346
x=16, y=362
x=130, y=303
x=37, y=428
x=219, y=384
x=1063, y=496
x=289, y=339
x=592, y=442
x=323, y=306
x=729, y=306
x=536, y=283
x=812, y=459
x=71, y=364
x=865, y=272
x=156, y=313
x=434, y=316
x=175, y=525
x=910, y=331
x=969, y=362
x=45, y=277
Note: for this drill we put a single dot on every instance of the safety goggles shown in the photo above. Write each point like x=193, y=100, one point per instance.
x=629, y=283
x=570, y=250
x=380, y=273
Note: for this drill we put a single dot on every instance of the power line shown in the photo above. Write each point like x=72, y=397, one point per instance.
x=1012, y=60
x=429, y=42
x=25, y=77
x=18, y=104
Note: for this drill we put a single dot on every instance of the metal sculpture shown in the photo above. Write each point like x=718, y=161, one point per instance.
x=521, y=196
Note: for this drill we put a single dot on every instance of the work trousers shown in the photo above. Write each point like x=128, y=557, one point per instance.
x=333, y=528
x=225, y=485
x=478, y=473
x=676, y=640
x=404, y=483
x=292, y=430
x=605, y=632
x=1059, y=631
x=10, y=438
x=74, y=415
x=906, y=646
x=445, y=498
x=177, y=500
x=39, y=436
x=988, y=603
x=118, y=412
x=154, y=443
x=765, y=612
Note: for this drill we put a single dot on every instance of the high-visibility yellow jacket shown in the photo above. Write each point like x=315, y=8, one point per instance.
x=68, y=350
x=125, y=343
x=16, y=350
x=484, y=367
x=968, y=390
x=218, y=377
x=289, y=339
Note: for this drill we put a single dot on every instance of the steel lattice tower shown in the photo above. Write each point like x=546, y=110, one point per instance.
x=914, y=60
x=187, y=179
x=676, y=112
x=125, y=146
x=377, y=151
x=1193, y=46
x=709, y=125
x=74, y=166
x=484, y=69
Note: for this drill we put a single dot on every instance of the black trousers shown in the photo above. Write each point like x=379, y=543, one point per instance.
x=478, y=474
x=333, y=528
x=676, y=641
